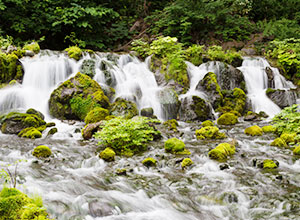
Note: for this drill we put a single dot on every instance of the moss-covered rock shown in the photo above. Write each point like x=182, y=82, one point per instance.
x=209, y=132
x=15, y=122
x=268, y=129
x=269, y=164
x=186, y=162
x=278, y=142
x=74, y=52
x=175, y=146
x=254, y=131
x=222, y=151
x=52, y=131
x=42, y=151
x=147, y=112
x=10, y=68
x=171, y=124
x=35, y=112
x=296, y=151
x=211, y=87
x=95, y=115
x=233, y=101
x=207, y=123
x=108, y=154
x=77, y=96
x=30, y=132
x=149, y=162
x=16, y=205
x=34, y=47
x=227, y=119
x=124, y=108
x=288, y=138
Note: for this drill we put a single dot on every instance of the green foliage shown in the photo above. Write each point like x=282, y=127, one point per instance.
x=288, y=120
x=282, y=29
x=34, y=47
x=127, y=136
x=296, y=151
x=194, y=54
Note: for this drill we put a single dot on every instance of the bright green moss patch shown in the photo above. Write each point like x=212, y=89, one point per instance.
x=207, y=123
x=42, y=151
x=227, y=119
x=127, y=136
x=108, y=154
x=209, y=132
x=186, y=162
x=10, y=68
x=175, y=146
x=268, y=129
x=288, y=138
x=254, y=131
x=95, y=115
x=16, y=205
x=222, y=151
x=296, y=151
x=74, y=52
x=34, y=47
x=171, y=124
x=279, y=142
x=149, y=162
x=269, y=164
x=30, y=132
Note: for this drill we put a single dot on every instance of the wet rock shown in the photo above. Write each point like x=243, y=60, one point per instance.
x=88, y=67
x=249, y=51
x=147, y=112
x=270, y=74
x=35, y=112
x=224, y=166
x=121, y=172
x=170, y=103
x=230, y=78
x=282, y=98
x=99, y=209
x=124, y=108
x=29, y=53
x=90, y=129
x=195, y=108
x=74, y=98
x=52, y=131
x=11, y=49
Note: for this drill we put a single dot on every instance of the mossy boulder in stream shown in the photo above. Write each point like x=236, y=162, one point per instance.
x=227, y=119
x=96, y=114
x=124, y=108
x=108, y=154
x=289, y=138
x=296, y=151
x=279, y=142
x=149, y=162
x=42, y=151
x=254, y=131
x=175, y=146
x=207, y=123
x=268, y=129
x=209, y=132
x=74, y=52
x=31, y=133
x=222, y=151
x=270, y=164
x=16, y=205
x=186, y=162
x=15, y=122
x=76, y=97
x=171, y=124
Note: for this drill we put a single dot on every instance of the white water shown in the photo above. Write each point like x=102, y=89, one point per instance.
x=257, y=83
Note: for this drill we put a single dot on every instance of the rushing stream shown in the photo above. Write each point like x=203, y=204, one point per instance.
x=75, y=184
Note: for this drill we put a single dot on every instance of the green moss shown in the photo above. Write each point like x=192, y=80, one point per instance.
x=269, y=164
x=148, y=162
x=9, y=68
x=222, y=151
x=52, y=131
x=171, y=124
x=211, y=86
x=108, y=154
x=31, y=121
x=270, y=91
x=34, y=47
x=95, y=115
x=16, y=205
x=268, y=129
x=30, y=132
x=278, y=142
x=81, y=106
x=296, y=151
x=227, y=119
x=209, y=132
x=12, y=82
x=74, y=52
x=186, y=162
x=41, y=151
x=41, y=128
x=234, y=101
x=126, y=109
x=254, y=131
x=200, y=107
x=50, y=124
x=207, y=123
x=288, y=138
x=174, y=145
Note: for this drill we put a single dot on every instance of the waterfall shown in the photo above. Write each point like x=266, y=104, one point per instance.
x=42, y=74
x=254, y=70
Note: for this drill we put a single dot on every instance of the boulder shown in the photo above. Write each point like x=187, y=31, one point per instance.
x=282, y=98
x=124, y=108
x=74, y=98
x=270, y=75
x=88, y=67
x=147, y=112
x=90, y=129
x=170, y=103
x=195, y=108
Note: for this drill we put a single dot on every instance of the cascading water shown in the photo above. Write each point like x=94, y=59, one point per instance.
x=254, y=70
